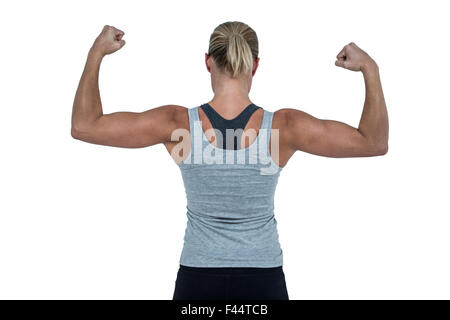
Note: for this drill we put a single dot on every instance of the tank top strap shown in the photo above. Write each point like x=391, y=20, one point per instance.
x=267, y=120
x=193, y=118
x=195, y=132
x=266, y=129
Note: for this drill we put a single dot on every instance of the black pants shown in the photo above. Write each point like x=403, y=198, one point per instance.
x=230, y=284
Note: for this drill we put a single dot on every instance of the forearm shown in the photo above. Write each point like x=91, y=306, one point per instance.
x=87, y=106
x=374, y=124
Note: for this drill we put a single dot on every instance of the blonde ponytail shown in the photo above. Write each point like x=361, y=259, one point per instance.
x=234, y=46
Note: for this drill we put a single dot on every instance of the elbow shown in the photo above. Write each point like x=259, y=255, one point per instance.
x=75, y=133
x=79, y=133
x=381, y=150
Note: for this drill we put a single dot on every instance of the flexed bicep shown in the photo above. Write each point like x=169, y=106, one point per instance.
x=330, y=138
x=133, y=130
x=301, y=131
x=119, y=129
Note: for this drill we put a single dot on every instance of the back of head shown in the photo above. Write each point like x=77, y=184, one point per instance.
x=234, y=46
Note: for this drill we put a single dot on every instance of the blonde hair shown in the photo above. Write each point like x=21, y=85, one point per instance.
x=234, y=46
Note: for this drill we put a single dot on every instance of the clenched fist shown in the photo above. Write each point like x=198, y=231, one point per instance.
x=353, y=58
x=109, y=41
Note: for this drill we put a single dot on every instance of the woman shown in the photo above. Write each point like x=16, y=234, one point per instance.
x=230, y=152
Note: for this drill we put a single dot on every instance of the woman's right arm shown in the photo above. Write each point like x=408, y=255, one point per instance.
x=118, y=129
x=301, y=131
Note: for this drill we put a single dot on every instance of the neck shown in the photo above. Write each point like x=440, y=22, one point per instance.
x=230, y=97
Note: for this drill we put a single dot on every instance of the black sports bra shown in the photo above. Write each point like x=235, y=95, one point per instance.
x=221, y=124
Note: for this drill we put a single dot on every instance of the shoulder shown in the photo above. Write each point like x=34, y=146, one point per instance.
x=289, y=118
x=180, y=114
x=174, y=116
x=174, y=111
x=296, y=127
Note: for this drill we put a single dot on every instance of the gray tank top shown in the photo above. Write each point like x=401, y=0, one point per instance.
x=230, y=202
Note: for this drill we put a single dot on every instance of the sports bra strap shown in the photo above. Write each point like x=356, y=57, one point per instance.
x=221, y=124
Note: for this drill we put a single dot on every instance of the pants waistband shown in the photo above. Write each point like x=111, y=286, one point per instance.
x=232, y=270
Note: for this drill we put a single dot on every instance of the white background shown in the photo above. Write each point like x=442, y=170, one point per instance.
x=81, y=221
